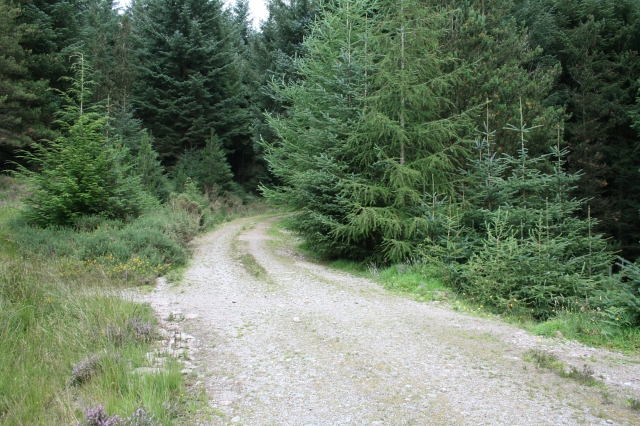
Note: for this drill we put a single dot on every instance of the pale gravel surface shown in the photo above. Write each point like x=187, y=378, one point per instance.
x=305, y=345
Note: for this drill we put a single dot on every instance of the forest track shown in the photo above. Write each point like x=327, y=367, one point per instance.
x=281, y=340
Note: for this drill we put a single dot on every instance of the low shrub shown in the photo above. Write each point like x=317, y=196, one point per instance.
x=150, y=244
x=98, y=416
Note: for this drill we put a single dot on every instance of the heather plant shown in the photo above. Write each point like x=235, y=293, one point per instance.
x=140, y=329
x=82, y=371
x=98, y=416
x=57, y=342
x=135, y=330
x=141, y=418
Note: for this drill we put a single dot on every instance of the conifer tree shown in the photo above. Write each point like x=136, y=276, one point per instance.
x=322, y=106
x=185, y=75
x=213, y=173
x=365, y=134
x=99, y=27
x=12, y=83
x=81, y=173
x=503, y=66
x=20, y=117
x=57, y=26
x=596, y=42
x=207, y=168
x=408, y=141
x=534, y=254
x=123, y=125
x=150, y=170
x=242, y=22
x=270, y=55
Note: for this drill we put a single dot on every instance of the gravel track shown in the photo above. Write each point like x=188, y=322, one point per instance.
x=280, y=340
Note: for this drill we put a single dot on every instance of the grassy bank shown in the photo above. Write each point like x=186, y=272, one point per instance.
x=69, y=341
x=69, y=345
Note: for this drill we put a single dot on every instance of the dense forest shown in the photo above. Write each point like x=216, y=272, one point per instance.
x=480, y=153
x=496, y=138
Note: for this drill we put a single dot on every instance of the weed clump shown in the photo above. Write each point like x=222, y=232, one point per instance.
x=634, y=404
x=549, y=361
x=544, y=360
x=583, y=376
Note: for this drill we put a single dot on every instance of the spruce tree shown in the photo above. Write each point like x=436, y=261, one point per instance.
x=185, y=73
x=534, y=254
x=150, y=170
x=502, y=66
x=57, y=28
x=206, y=168
x=20, y=115
x=213, y=173
x=368, y=131
x=408, y=141
x=322, y=105
x=81, y=173
x=596, y=43
x=99, y=27
x=14, y=91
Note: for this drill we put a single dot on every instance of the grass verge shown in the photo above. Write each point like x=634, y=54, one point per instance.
x=69, y=344
x=426, y=281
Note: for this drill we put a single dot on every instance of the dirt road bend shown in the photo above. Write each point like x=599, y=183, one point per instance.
x=279, y=340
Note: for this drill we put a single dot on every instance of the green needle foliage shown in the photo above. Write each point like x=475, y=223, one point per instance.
x=150, y=170
x=207, y=167
x=369, y=129
x=19, y=112
x=535, y=255
x=186, y=78
x=81, y=173
x=408, y=140
x=323, y=105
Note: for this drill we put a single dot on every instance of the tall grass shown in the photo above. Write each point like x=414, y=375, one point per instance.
x=69, y=340
x=49, y=324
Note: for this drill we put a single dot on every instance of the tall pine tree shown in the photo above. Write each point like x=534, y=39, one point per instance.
x=19, y=114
